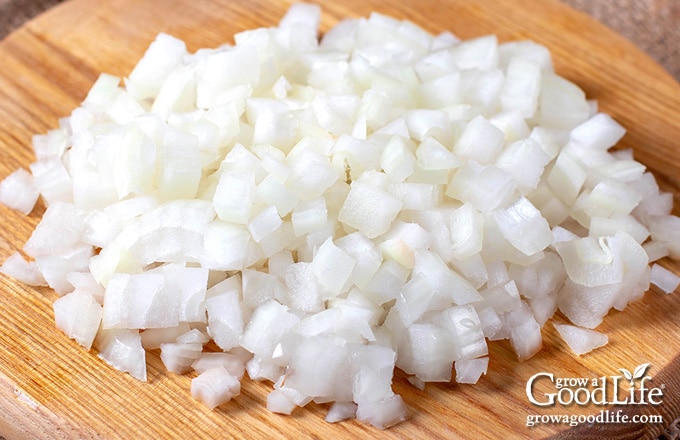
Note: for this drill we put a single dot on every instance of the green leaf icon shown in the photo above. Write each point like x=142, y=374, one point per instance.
x=640, y=371
x=627, y=374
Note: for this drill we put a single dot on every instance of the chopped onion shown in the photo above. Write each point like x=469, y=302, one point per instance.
x=23, y=271
x=581, y=340
x=317, y=213
x=215, y=386
x=78, y=315
x=664, y=279
x=18, y=191
x=470, y=370
x=340, y=411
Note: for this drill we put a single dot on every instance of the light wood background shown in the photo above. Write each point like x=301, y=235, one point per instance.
x=653, y=25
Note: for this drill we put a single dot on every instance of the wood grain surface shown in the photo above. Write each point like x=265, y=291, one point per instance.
x=51, y=388
x=652, y=25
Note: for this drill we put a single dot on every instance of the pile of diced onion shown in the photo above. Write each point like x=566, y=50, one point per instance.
x=318, y=212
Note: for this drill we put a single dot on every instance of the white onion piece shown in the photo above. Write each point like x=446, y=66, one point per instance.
x=153, y=338
x=59, y=230
x=215, y=387
x=366, y=255
x=562, y=103
x=369, y=209
x=52, y=180
x=279, y=401
x=470, y=370
x=664, y=279
x=586, y=306
x=444, y=280
x=18, y=191
x=481, y=141
x=606, y=226
x=525, y=160
x=432, y=352
x=78, y=315
x=524, y=227
x=463, y=323
x=340, y=411
x=599, y=132
x=665, y=229
x=382, y=413
x=581, y=340
x=655, y=250
x=56, y=268
x=524, y=331
x=225, y=313
x=591, y=262
x=267, y=325
x=55, y=141
x=22, y=270
x=158, y=62
x=122, y=349
x=234, y=364
x=178, y=357
x=260, y=369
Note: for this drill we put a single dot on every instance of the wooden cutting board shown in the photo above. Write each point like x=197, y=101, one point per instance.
x=51, y=388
